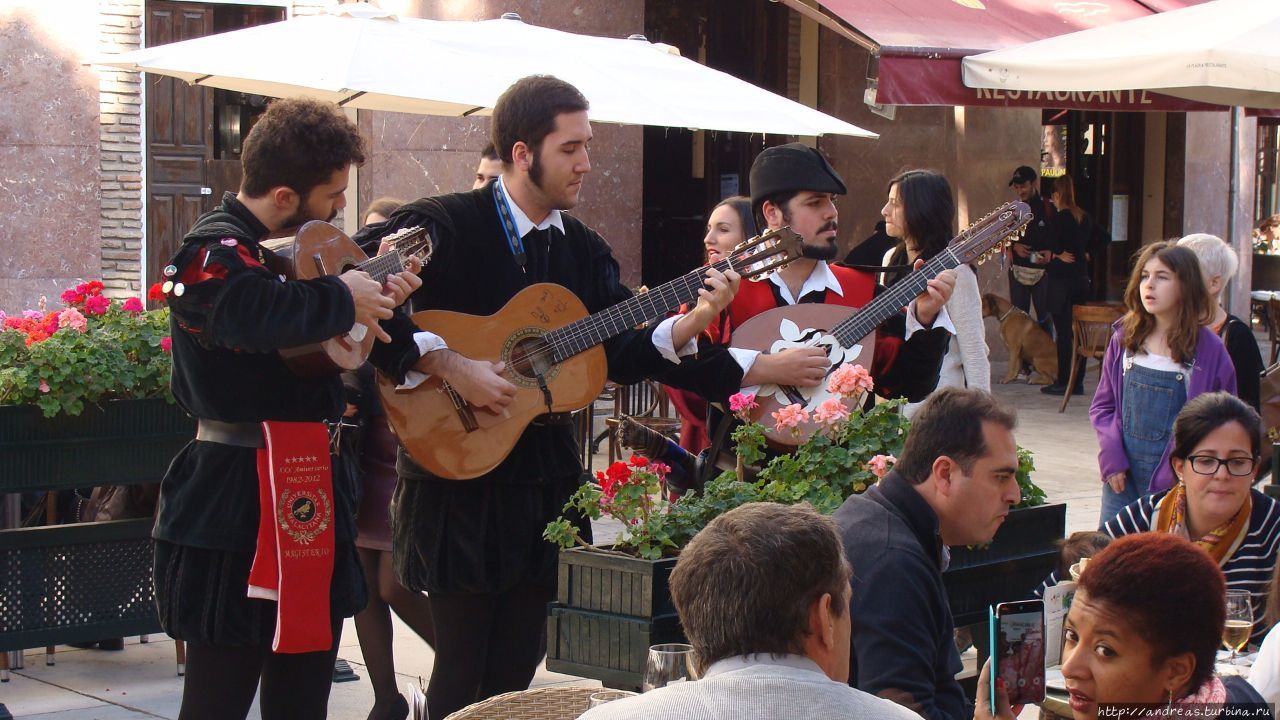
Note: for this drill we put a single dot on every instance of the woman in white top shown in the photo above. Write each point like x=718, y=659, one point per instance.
x=1264, y=676
x=921, y=213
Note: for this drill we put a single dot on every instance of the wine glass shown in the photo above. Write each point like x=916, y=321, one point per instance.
x=1235, y=634
x=668, y=663
x=605, y=696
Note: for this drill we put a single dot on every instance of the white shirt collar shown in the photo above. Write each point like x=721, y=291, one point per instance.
x=821, y=278
x=738, y=662
x=523, y=224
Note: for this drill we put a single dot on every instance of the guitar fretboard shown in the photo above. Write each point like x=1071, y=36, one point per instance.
x=643, y=307
x=884, y=305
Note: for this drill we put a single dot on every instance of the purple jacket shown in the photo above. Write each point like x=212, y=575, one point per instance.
x=1211, y=371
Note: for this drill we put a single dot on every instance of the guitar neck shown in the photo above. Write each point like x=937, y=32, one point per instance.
x=639, y=308
x=381, y=266
x=889, y=302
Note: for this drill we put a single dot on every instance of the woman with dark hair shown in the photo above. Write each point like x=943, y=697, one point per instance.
x=1144, y=628
x=1216, y=449
x=1067, y=275
x=1159, y=358
x=920, y=212
x=729, y=224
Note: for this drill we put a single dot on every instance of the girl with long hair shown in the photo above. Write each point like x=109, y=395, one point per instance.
x=920, y=212
x=1160, y=356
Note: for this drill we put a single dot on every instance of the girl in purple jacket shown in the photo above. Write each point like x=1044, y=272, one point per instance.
x=1159, y=357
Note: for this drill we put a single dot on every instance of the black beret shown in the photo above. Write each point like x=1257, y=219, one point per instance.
x=791, y=168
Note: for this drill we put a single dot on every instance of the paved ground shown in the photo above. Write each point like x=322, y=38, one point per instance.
x=140, y=682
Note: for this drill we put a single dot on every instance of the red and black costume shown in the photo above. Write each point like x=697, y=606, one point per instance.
x=229, y=316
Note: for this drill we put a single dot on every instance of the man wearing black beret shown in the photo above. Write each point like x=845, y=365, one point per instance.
x=794, y=185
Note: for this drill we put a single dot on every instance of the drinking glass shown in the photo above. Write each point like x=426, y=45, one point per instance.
x=605, y=696
x=1235, y=634
x=668, y=663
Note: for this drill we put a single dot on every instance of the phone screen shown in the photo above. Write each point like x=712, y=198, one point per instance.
x=1018, y=653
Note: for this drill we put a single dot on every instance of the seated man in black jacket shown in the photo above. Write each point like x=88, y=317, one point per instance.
x=953, y=485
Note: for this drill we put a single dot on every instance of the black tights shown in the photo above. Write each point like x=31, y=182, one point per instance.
x=485, y=644
x=221, y=682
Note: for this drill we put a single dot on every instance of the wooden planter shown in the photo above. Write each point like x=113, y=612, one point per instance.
x=70, y=583
x=610, y=609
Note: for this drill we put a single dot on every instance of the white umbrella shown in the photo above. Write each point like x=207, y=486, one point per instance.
x=1225, y=52
x=363, y=57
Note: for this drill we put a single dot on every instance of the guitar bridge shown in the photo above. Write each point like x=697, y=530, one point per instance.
x=464, y=411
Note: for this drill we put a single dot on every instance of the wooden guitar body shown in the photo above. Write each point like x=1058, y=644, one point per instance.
x=453, y=440
x=321, y=249
x=806, y=324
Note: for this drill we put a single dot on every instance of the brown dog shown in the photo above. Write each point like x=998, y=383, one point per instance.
x=1027, y=341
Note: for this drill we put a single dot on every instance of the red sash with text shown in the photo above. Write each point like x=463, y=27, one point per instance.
x=294, y=561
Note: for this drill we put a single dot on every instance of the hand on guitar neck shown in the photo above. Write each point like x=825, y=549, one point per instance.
x=936, y=294
x=718, y=291
x=376, y=302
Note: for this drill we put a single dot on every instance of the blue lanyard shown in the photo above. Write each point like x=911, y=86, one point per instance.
x=509, y=226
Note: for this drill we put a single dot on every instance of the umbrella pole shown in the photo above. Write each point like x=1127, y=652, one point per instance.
x=1233, y=192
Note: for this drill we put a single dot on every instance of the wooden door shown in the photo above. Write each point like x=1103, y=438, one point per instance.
x=179, y=137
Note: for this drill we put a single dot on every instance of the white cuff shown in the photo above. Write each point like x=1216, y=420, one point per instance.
x=665, y=343
x=426, y=342
x=913, y=323
x=744, y=358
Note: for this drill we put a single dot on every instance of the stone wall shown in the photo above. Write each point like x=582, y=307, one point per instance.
x=49, y=151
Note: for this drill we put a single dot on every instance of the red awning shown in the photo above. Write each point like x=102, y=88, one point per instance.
x=920, y=44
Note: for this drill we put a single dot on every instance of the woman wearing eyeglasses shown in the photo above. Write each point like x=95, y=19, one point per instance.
x=1216, y=445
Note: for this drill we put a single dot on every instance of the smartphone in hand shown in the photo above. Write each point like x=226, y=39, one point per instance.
x=1017, y=651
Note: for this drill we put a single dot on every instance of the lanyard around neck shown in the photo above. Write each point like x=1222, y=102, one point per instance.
x=514, y=243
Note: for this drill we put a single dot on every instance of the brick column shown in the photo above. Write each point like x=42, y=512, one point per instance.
x=120, y=137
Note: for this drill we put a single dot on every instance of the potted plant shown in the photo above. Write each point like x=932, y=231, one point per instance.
x=614, y=602
x=84, y=401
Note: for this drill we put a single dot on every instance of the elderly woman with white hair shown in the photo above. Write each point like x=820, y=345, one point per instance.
x=1218, y=262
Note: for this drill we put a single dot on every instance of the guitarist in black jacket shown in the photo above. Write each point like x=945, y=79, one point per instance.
x=476, y=546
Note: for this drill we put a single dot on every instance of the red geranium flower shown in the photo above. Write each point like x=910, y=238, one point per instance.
x=133, y=305
x=155, y=293
x=72, y=297
x=96, y=305
x=166, y=344
x=639, y=461
x=93, y=287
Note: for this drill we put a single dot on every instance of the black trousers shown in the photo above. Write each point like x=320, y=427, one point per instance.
x=222, y=680
x=1064, y=294
x=486, y=644
x=1024, y=296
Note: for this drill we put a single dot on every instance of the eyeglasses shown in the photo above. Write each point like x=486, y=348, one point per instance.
x=1208, y=465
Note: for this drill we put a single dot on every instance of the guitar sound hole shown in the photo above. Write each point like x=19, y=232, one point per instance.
x=530, y=357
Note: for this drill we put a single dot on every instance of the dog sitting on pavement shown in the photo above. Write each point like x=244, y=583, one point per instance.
x=1027, y=341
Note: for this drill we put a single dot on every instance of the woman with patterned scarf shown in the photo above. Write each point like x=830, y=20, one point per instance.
x=1217, y=439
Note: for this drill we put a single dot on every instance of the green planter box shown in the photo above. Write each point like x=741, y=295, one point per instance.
x=70, y=583
x=603, y=646
x=614, y=584
x=1022, y=554
x=120, y=442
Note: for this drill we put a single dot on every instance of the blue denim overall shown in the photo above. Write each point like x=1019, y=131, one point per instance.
x=1150, y=401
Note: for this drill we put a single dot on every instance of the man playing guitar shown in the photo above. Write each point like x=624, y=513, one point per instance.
x=794, y=185
x=476, y=546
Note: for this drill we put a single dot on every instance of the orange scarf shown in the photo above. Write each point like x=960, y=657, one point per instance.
x=1220, y=542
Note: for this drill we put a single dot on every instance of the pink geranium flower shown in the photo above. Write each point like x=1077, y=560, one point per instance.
x=133, y=305
x=849, y=380
x=831, y=411
x=73, y=319
x=741, y=404
x=790, y=418
x=879, y=465
x=44, y=386
x=166, y=343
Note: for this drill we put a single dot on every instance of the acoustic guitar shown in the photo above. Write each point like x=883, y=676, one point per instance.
x=848, y=336
x=551, y=348
x=321, y=249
